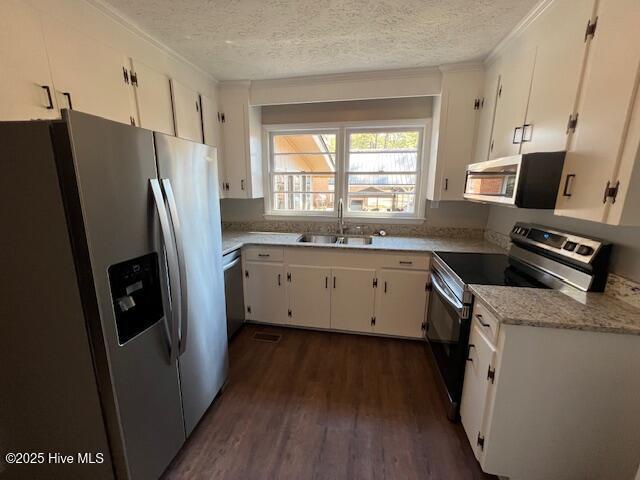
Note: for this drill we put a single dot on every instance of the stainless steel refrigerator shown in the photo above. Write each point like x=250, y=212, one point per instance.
x=113, y=311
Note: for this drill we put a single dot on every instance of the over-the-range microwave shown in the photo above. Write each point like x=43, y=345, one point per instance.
x=528, y=180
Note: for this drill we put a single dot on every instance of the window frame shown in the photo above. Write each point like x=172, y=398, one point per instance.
x=422, y=125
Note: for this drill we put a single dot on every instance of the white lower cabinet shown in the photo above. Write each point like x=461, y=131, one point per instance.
x=401, y=302
x=264, y=292
x=551, y=403
x=352, y=299
x=309, y=296
x=476, y=384
x=345, y=291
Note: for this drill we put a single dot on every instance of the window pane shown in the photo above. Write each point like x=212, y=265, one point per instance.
x=305, y=142
x=304, y=183
x=306, y=202
x=383, y=162
x=380, y=141
x=308, y=162
x=382, y=193
x=376, y=203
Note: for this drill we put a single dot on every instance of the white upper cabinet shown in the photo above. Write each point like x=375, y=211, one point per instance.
x=401, y=302
x=560, y=34
x=88, y=76
x=352, y=299
x=186, y=112
x=26, y=88
x=212, y=128
x=455, y=129
x=487, y=112
x=242, y=133
x=604, y=149
x=513, y=96
x=153, y=98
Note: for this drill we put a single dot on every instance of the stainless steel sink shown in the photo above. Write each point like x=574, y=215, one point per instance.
x=356, y=240
x=311, y=238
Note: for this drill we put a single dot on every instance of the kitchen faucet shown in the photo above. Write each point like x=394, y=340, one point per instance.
x=341, y=224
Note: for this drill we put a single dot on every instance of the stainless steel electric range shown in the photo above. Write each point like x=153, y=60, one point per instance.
x=539, y=257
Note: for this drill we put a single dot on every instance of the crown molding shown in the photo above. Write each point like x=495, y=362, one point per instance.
x=461, y=67
x=518, y=30
x=134, y=28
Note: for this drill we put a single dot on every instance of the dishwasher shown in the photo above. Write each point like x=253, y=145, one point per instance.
x=233, y=291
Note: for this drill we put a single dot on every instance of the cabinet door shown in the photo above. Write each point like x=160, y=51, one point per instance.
x=476, y=385
x=309, y=296
x=235, y=108
x=401, y=302
x=352, y=299
x=513, y=95
x=153, y=98
x=264, y=292
x=604, y=111
x=25, y=68
x=487, y=112
x=462, y=90
x=186, y=111
x=559, y=61
x=213, y=135
x=88, y=76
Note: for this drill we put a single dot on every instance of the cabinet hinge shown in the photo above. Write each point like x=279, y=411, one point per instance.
x=590, y=31
x=221, y=118
x=427, y=286
x=500, y=91
x=611, y=191
x=246, y=273
x=423, y=326
x=572, y=123
x=480, y=441
x=288, y=277
x=491, y=374
x=134, y=78
x=491, y=146
x=373, y=320
x=477, y=104
x=132, y=121
x=248, y=309
x=375, y=283
x=289, y=313
x=125, y=74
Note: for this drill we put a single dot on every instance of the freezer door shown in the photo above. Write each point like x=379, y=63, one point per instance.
x=188, y=173
x=113, y=166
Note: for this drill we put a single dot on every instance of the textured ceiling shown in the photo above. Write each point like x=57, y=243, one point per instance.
x=257, y=39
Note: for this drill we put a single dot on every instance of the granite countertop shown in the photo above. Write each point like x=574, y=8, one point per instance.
x=232, y=240
x=597, y=312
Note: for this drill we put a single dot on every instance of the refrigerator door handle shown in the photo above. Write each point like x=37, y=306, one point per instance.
x=175, y=221
x=172, y=261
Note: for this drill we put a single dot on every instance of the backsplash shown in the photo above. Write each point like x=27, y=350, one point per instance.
x=619, y=287
x=403, y=230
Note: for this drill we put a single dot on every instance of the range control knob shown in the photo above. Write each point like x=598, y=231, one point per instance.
x=584, y=250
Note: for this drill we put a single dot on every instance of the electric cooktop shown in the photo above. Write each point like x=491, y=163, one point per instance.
x=487, y=269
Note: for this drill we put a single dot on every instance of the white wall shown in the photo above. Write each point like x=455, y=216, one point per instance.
x=96, y=20
x=625, y=257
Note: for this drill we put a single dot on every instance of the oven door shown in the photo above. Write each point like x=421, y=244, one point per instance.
x=447, y=332
x=494, y=181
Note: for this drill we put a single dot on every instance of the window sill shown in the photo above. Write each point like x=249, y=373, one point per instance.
x=350, y=220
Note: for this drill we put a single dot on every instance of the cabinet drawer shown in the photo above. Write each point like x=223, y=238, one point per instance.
x=486, y=321
x=264, y=254
x=412, y=261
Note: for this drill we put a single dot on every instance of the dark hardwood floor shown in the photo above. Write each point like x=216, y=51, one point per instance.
x=326, y=406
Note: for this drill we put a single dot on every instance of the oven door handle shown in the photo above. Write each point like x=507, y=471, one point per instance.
x=441, y=289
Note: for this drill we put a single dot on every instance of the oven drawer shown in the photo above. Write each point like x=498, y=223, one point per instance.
x=486, y=321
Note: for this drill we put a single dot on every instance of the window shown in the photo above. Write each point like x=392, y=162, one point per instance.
x=374, y=169
x=303, y=171
x=382, y=171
